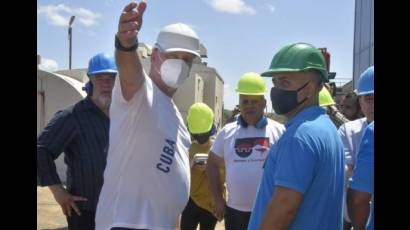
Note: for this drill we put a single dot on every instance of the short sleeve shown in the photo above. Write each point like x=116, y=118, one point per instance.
x=218, y=145
x=363, y=173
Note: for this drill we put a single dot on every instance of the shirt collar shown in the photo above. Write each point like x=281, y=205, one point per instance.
x=306, y=114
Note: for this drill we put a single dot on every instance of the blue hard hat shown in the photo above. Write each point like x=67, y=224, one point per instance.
x=366, y=82
x=101, y=63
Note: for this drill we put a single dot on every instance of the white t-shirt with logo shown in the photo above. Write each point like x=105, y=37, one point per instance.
x=244, y=151
x=147, y=177
x=351, y=133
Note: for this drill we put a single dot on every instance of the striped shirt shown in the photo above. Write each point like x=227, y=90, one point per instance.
x=81, y=132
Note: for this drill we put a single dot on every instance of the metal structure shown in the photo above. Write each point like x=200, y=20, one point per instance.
x=70, y=35
x=363, y=51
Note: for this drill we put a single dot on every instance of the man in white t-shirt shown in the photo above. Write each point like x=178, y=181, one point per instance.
x=147, y=177
x=352, y=132
x=242, y=147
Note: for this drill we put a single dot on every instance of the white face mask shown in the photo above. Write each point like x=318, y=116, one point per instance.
x=174, y=72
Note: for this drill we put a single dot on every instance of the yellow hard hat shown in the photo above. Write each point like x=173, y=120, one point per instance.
x=325, y=98
x=251, y=84
x=200, y=118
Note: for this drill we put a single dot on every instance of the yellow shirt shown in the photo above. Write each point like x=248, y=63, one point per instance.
x=200, y=192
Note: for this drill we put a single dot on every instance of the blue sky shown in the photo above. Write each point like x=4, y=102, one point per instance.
x=240, y=35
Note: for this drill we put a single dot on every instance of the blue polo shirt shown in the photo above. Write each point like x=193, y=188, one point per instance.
x=309, y=159
x=363, y=174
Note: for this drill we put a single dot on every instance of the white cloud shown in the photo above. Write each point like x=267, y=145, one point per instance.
x=59, y=15
x=48, y=65
x=86, y=17
x=52, y=14
x=270, y=7
x=232, y=6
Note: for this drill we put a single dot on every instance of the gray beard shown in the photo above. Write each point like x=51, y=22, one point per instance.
x=104, y=101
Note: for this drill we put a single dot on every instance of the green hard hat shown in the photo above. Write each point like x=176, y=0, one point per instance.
x=200, y=118
x=325, y=98
x=251, y=84
x=297, y=57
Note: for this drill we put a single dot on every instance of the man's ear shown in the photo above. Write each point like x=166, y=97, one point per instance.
x=308, y=91
x=312, y=88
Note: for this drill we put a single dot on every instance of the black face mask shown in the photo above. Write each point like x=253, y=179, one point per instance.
x=283, y=101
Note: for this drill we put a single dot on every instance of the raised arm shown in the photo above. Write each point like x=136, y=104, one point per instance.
x=130, y=69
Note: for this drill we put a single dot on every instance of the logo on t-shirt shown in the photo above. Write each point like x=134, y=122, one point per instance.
x=167, y=156
x=245, y=146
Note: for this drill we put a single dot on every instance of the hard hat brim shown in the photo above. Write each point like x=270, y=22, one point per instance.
x=251, y=94
x=181, y=50
x=109, y=71
x=365, y=93
x=270, y=72
x=327, y=104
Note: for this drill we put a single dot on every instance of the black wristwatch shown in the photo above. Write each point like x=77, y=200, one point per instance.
x=122, y=48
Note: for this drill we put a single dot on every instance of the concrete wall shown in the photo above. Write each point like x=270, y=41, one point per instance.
x=213, y=90
x=363, y=38
x=219, y=102
x=189, y=93
x=213, y=96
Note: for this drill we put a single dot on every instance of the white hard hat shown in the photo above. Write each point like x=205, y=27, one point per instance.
x=178, y=37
